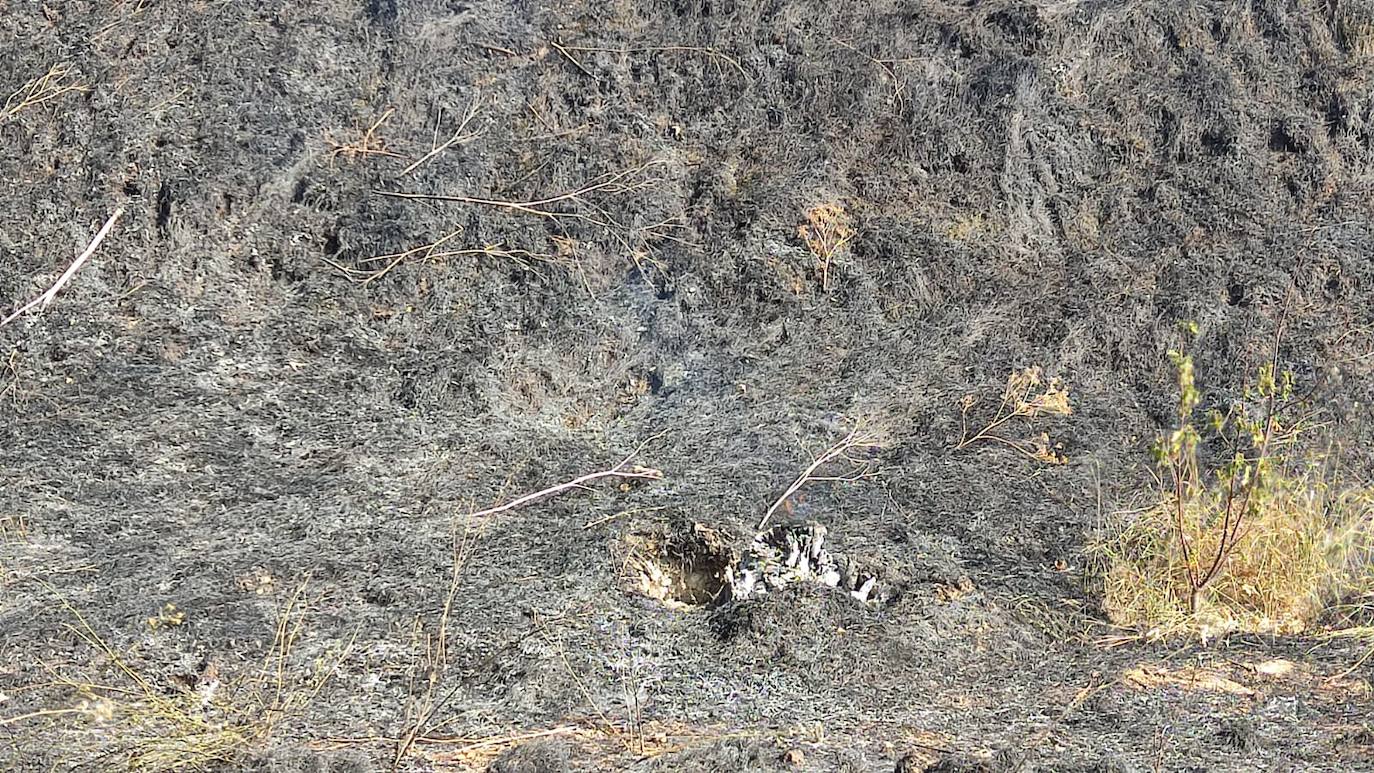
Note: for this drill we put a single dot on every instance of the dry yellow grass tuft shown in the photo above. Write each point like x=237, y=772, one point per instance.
x=1027, y=395
x=153, y=729
x=57, y=81
x=1290, y=561
x=827, y=231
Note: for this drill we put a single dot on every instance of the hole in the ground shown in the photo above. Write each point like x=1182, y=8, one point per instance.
x=695, y=566
x=1236, y=295
x=1218, y=141
x=685, y=567
x=1282, y=141
x=164, y=207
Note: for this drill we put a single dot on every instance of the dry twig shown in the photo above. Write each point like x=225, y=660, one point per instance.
x=827, y=232
x=623, y=469
x=572, y=59
x=434, y=251
x=420, y=710
x=614, y=183
x=42, y=301
x=368, y=145
x=45, y=88
x=621, y=183
x=888, y=69
x=710, y=52
x=457, y=138
x=861, y=468
x=1020, y=400
x=13, y=386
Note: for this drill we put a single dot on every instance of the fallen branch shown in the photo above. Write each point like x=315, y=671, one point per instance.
x=572, y=59
x=42, y=301
x=458, y=137
x=432, y=251
x=613, y=183
x=887, y=68
x=840, y=450
x=622, y=470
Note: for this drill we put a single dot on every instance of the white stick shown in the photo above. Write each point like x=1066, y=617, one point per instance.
x=850, y=441
x=618, y=471
x=42, y=301
x=634, y=472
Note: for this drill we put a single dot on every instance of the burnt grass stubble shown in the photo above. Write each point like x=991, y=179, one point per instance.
x=213, y=402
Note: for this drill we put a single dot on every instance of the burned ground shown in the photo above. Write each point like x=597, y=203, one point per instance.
x=234, y=405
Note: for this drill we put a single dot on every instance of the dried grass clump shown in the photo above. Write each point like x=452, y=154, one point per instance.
x=151, y=728
x=827, y=232
x=1262, y=538
x=1026, y=396
x=59, y=80
x=1354, y=23
x=1299, y=551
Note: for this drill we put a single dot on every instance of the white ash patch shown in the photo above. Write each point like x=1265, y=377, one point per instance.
x=797, y=553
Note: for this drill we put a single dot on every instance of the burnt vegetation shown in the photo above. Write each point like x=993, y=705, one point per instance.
x=398, y=283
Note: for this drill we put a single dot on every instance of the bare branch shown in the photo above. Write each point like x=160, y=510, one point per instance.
x=42, y=301
x=457, y=138
x=613, y=183
x=623, y=470
x=839, y=450
x=710, y=52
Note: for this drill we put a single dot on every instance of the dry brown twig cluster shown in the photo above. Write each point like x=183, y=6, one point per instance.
x=436, y=251
x=369, y=144
x=211, y=722
x=45, y=88
x=827, y=231
x=432, y=662
x=711, y=53
x=1027, y=396
x=619, y=183
x=575, y=205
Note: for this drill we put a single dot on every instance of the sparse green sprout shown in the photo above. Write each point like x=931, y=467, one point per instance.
x=1261, y=542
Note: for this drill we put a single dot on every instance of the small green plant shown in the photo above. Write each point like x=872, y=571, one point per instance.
x=1258, y=538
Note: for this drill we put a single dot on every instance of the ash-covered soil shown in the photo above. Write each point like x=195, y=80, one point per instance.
x=265, y=402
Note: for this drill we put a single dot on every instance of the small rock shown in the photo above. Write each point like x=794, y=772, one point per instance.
x=793, y=757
